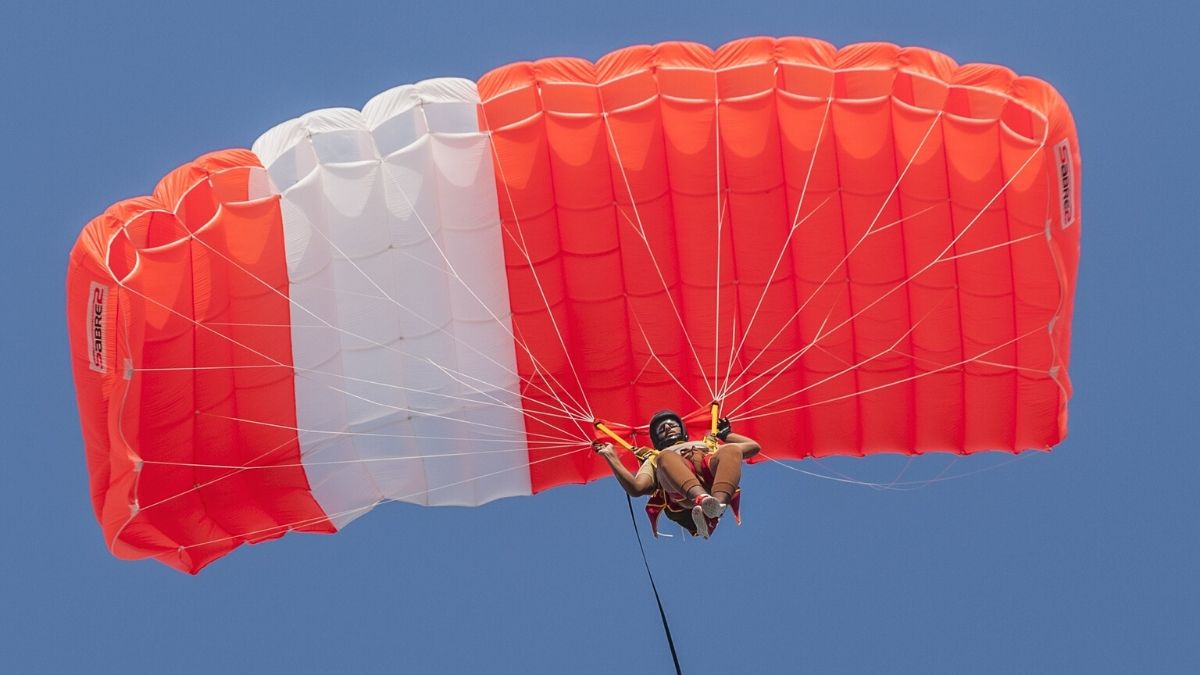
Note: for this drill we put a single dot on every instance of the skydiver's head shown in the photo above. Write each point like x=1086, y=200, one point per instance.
x=667, y=429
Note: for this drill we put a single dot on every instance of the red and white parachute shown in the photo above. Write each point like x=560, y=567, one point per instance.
x=432, y=299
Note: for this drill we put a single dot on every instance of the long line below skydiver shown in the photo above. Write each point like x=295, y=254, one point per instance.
x=694, y=482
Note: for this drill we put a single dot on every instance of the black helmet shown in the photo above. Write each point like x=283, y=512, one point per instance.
x=661, y=442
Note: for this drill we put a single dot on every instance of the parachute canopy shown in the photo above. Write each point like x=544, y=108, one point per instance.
x=430, y=300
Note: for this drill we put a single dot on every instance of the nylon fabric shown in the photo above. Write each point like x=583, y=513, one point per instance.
x=857, y=247
x=383, y=212
x=854, y=251
x=181, y=311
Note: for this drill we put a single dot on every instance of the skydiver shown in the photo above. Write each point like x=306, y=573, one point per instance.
x=695, y=482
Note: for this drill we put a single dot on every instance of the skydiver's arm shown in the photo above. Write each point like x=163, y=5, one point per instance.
x=636, y=486
x=748, y=446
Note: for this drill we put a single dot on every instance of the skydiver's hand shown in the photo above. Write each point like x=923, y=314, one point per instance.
x=642, y=453
x=723, y=428
x=605, y=450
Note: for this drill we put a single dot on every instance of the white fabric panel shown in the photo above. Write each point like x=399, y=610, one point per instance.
x=406, y=385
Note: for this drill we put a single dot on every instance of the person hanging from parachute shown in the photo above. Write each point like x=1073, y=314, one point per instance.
x=694, y=482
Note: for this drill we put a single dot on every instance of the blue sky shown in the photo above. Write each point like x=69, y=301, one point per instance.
x=1082, y=560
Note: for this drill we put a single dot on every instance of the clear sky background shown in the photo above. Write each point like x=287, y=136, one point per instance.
x=1086, y=559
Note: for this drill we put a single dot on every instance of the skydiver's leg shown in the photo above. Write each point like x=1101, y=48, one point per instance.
x=675, y=474
x=678, y=474
x=727, y=472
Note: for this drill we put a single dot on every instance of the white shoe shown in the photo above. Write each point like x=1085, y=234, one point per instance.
x=700, y=521
x=712, y=508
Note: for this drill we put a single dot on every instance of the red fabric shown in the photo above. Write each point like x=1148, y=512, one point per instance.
x=961, y=355
x=174, y=309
